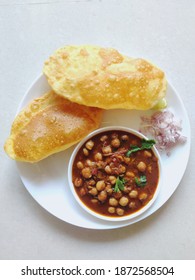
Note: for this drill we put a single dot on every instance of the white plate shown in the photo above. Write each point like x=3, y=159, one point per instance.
x=47, y=180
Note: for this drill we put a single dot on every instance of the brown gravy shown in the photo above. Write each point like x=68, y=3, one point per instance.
x=108, y=181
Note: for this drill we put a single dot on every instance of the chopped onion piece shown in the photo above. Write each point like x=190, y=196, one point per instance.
x=164, y=128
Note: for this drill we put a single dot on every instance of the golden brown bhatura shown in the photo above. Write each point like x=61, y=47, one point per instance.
x=48, y=125
x=104, y=78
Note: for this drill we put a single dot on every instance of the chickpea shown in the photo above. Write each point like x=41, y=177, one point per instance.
x=132, y=205
x=106, y=150
x=78, y=182
x=133, y=194
x=120, y=211
x=101, y=164
x=114, y=135
x=98, y=156
x=93, y=191
x=112, y=179
x=143, y=196
x=120, y=158
x=80, y=165
x=150, y=169
x=93, y=164
x=94, y=200
x=121, y=169
x=108, y=169
x=102, y=196
x=147, y=154
x=100, y=185
x=123, y=201
x=109, y=189
x=111, y=210
x=86, y=172
x=89, y=145
x=91, y=182
x=112, y=165
x=130, y=174
x=127, y=189
x=127, y=160
x=82, y=192
x=141, y=166
x=103, y=138
x=100, y=175
x=125, y=137
x=118, y=195
x=115, y=143
x=113, y=201
x=85, y=152
x=88, y=162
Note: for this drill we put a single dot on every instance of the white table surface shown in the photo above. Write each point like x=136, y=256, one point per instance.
x=160, y=31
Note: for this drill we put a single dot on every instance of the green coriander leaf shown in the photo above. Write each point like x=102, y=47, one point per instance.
x=133, y=150
x=146, y=144
x=116, y=188
x=119, y=185
x=141, y=182
x=134, y=147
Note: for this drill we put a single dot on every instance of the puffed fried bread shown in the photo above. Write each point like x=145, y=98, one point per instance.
x=48, y=125
x=104, y=78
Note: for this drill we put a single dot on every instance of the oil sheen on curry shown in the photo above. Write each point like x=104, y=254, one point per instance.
x=115, y=173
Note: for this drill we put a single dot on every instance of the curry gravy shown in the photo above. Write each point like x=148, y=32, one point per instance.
x=111, y=182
